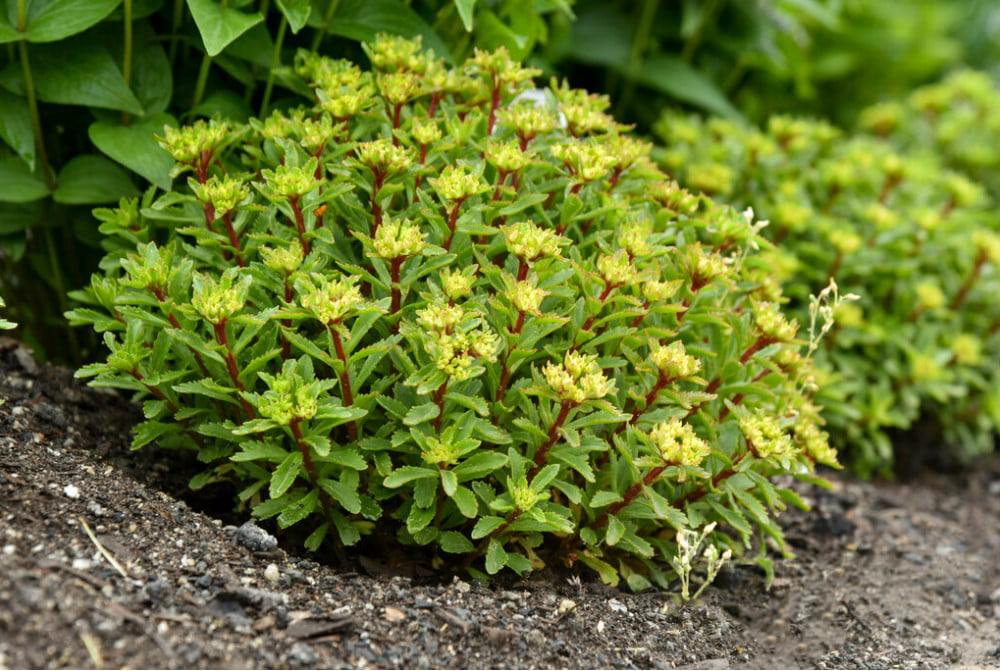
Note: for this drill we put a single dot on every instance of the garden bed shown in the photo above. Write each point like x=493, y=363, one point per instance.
x=887, y=575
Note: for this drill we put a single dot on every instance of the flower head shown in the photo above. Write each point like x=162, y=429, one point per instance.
x=399, y=239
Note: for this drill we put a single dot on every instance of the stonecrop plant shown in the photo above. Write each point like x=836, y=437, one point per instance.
x=445, y=309
x=918, y=242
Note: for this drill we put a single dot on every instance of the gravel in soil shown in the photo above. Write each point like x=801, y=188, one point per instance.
x=106, y=560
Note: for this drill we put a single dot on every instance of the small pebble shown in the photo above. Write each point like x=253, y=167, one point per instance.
x=271, y=573
x=565, y=606
x=71, y=491
x=617, y=606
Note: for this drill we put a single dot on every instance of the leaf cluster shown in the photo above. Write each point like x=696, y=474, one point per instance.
x=450, y=318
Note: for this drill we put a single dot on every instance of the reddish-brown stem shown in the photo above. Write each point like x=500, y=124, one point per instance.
x=209, y=210
x=396, y=291
x=575, y=189
x=739, y=397
x=831, y=198
x=439, y=401
x=522, y=269
x=171, y=406
x=494, y=104
x=501, y=178
x=234, y=239
x=615, y=176
x=541, y=456
x=286, y=344
x=234, y=372
x=204, y=160
x=970, y=281
x=300, y=223
x=505, y=370
x=761, y=343
x=947, y=208
x=662, y=381
x=608, y=288
x=629, y=496
x=696, y=494
x=639, y=318
x=452, y=221
x=435, y=99
x=397, y=111
x=891, y=182
x=710, y=389
x=345, y=378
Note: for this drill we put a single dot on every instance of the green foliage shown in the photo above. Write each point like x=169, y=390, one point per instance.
x=85, y=85
x=4, y=324
x=917, y=241
x=423, y=308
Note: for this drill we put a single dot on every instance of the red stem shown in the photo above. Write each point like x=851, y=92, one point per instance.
x=345, y=379
x=541, y=456
x=300, y=223
x=234, y=239
x=630, y=495
x=494, y=104
x=439, y=400
x=970, y=281
x=397, y=296
x=378, y=180
x=234, y=372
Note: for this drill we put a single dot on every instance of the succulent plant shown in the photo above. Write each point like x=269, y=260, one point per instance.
x=442, y=307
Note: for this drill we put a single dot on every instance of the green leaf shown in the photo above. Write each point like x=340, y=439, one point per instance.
x=518, y=563
x=148, y=431
x=604, y=498
x=419, y=518
x=7, y=31
x=51, y=20
x=449, y=482
x=152, y=77
x=608, y=574
x=496, y=557
x=485, y=525
x=671, y=75
x=419, y=414
x=18, y=184
x=219, y=25
x=284, y=475
x=616, y=529
x=734, y=518
x=78, y=71
x=362, y=20
x=346, y=496
x=223, y=104
x=465, y=10
x=134, y=147
x=299, y=510
x=207, y=387
x=315, y=539
x=258, y=450
x=88, y=179
x=15, y=126
x=466, y=502
x=296, y=11
x=455, y=543
x=401, y=476
x=480, y=465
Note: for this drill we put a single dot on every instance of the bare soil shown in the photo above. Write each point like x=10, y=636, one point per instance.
x=887, y=575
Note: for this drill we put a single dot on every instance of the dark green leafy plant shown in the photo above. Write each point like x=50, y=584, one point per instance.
x=917, y=241
x=447, y=308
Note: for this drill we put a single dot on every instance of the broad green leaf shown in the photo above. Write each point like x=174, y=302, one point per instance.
x=419, y=518
x=361, y=20
x=284, y=475
x=604, y=498
x=224, y=104
x=401, y=476
x=207, y=387
x=315, y=539
x=7, y=32
x=15, y=126
x=134, y=147
x=148, y=431
x=494, y=33
x=51, y=20
x=219, y=25
x=602, y=35
x=346, y=496
x=616, y=529
x=18, y=184
x=496, y=557
x=608, y=574
x=466, y=9
x=518, y=563
x=419, y=414
x=299, y=510
x=152, y=78
x=296, y=11
x=485, y=525
x=88, y=179
x=671, y=75
x=466, y=502
x=480, y=465
x=455, y=543
x=258, y=450
x=77, y=71
x=449, y=482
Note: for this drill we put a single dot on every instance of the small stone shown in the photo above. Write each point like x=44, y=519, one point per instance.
x=535, y=638
x=9, y=549
x=256, y=539
x=271, y=573
x=393, y=614
x=565, y=606
x=462, y=587
x=82, y=564
x=617, y=606
x=600, y=626
x=71, y=491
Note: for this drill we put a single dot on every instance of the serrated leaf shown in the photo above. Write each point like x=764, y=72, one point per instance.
x=604, y=498
x=449, y=482
x=299, y=510
x=285, y=474
x=207, y=387
x=419, y=518
x=466, y=502
x=148, y=431
x=486, y=525
x=615, y=532
x=496, y=557
x=455, y=543
x=405, y=474
x=419, y=414
x=347, y=497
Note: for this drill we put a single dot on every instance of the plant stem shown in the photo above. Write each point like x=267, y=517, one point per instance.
x=970, y=281
x=36, y=119
x=345, y=378
x=639, y=45
x=310, y=466
x=397, y=293
x=275, y=62
x=300, y=223
x=234, y=372
x=175, y=27
x=331, y=9
x=199, y=87
x=630, y=495
x=541, y=456
x=661, y=383
x=234, y=239
x=439, y=400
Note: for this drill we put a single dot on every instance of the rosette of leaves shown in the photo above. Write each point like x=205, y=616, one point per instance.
x=917, y=241
x=430, y=309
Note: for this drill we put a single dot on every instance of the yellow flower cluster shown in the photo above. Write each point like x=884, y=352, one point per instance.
x=673, y=360
x=384, y=157
x=398, y=239
x=528, y=241
x=765, y=435
x=457, y=182
x=216, y=301
x=330, y=301
x=222, y=193
x=578, y=378
x=772, y=324
x=678, y=444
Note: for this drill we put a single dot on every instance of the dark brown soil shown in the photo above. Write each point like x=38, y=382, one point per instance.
x=887, y=575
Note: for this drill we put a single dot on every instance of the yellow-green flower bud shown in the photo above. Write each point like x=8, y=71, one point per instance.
x=678, y=444
x=331, y=300
x=815, y=443
x=285, y=260
x=616, y=269
x=222, y=193
x=216, y=301
x=988, y=244
x=398, y=88
x=505, y=155
x=457, y=183
x=773, y=324
x=188, y=143
x=713, y=178
x=578, y=378
x=440, y=316
x=963, y=191
x=383, y=156
x=844, y=241
x=150, y=267
x=792, y=215
x=634, y=238
x=881, y=216
x=654, y=291
x=849, y=315
x=442, y=453
x=924, y=368
x=526, y=240
x=929, y=295
x=456, y=284
x=393, y=53
x=673, y=360
x=399, y=239
x=290, y=182
x=425, y=132
x=764, y=433
x=587, y=161
x=526, y=297
x=498, y=66
x=529, y=120
x=525, y=498
x=968, y=349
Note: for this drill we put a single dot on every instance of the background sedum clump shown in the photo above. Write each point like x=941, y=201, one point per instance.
x=445, y=309
x=918, y=240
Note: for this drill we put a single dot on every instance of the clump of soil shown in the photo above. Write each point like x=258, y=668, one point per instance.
x=887, y=575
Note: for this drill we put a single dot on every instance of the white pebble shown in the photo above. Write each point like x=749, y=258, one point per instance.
x=271, y=573
x=71, y=491
x=9, y=549
x=81, y=564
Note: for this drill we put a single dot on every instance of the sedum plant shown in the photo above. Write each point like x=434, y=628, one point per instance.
x=917, y=241
x=442, y=308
